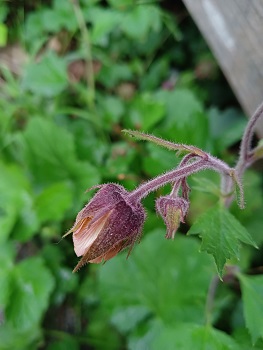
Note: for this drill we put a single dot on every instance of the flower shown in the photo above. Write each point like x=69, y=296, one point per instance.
x=109, y=223
x=173, y=211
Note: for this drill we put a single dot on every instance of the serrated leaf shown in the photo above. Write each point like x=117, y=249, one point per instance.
x=221, y=235
x=252, y=295
x=31, y=286
x=160, y=275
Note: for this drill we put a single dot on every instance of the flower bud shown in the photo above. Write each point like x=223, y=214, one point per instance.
x=109, y=223
x=173, y=211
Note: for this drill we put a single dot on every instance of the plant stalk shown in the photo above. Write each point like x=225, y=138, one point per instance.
x=88, y=53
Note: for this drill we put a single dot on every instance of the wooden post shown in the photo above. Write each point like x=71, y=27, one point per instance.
x=234, y=31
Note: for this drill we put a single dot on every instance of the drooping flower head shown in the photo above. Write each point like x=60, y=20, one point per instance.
x=173, y=211
x=109, y=223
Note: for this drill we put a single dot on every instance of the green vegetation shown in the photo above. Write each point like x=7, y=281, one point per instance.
x=73, y=74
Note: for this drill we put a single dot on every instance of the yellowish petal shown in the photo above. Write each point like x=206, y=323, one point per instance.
x=85, y=234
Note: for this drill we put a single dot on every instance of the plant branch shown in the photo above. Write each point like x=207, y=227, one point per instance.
x=245, y=155
x=182, y=182
x=246, y=158
x=174, y=175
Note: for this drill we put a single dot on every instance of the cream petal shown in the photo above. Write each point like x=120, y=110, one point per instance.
x=85, y=235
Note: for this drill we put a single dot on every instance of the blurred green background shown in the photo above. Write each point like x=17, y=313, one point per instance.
x=73, y=74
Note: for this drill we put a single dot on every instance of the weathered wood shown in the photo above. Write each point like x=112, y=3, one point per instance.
x=234, y=31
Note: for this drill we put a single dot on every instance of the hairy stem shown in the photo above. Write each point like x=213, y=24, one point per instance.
x=182, y=182
x=245, y=156
x=174, y=175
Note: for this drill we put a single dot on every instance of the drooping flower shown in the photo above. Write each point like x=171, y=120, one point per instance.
x=109, y=223
x=173, y=211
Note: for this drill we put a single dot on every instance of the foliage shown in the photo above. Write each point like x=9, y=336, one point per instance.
x=220, y=233
x=86, y=71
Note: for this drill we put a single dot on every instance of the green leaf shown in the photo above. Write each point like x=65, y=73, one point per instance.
x=119, y=159
x=49, y=153
x=189, y=336
x=47, y=150
x=186, y=121
x=252, y=295
x=172, y=25
x=226, y=127
x=14, y=192
x=110, y=75
x=68, y=342
x=12, y=338
x=112, y=111
x=7, y=253
x=126, y=319
x=120, y=3
x=46, y=78
x=34, y=26
x=160, y=276
x=155, y=75
x=243, y=338
x=221, y=235
x=83, y=176
x=158, y=160
x=65, y=15
x=146, y=17
x=104, y=21
x=31, y=286
x=144, y=113
x=52, y=203
x=89, y=146
x=3, y=11
x=3, y=34
x=27, y=222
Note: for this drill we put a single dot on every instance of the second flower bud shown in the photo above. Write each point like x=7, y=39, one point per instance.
x=173, y=211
